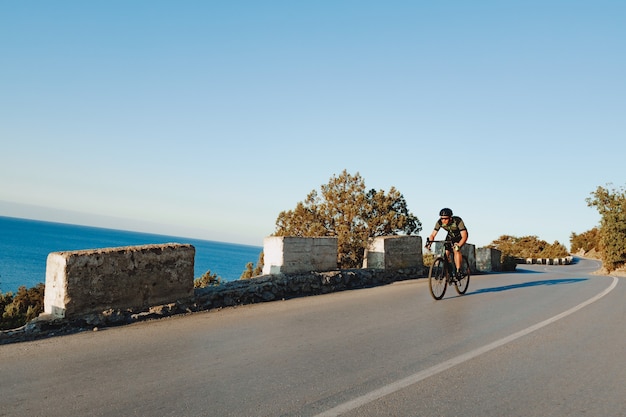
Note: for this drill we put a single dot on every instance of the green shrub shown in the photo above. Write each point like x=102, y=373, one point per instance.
x=587, y=241
x=611, y=205
x=253, y=271
x=206, y=280
x=428, y=259
x=19, y=309
x=528, y=247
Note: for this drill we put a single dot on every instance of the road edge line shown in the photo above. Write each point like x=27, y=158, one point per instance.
x=433, y=370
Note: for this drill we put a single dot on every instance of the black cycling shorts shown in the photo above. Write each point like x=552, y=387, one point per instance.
x=453, y=238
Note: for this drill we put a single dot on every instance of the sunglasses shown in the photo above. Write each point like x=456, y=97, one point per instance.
x=445, y=218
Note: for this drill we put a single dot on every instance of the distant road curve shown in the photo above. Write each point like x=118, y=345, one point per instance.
x=545, y=340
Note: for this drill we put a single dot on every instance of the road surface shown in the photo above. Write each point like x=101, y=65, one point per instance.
x=543, y=341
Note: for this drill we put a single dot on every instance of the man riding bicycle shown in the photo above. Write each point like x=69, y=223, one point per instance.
x=456, y=238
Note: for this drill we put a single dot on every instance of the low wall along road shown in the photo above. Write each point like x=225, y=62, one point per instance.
x=132, y=277
x=112, y=286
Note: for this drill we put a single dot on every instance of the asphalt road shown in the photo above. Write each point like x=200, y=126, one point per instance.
x=543, y=341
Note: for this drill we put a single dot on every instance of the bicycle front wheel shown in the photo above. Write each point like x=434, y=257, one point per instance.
x=437, y=280
x=461, y=284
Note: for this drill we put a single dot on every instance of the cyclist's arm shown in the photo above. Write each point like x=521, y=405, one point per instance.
x=435, y=231
x=432, y=235
x=464, y=236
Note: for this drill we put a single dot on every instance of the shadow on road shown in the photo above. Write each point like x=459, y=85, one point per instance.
x=527, y=271
x=529, y=284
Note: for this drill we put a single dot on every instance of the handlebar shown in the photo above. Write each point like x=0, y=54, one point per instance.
x=430, y=242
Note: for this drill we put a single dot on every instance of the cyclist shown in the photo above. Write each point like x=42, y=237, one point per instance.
x=456, y=238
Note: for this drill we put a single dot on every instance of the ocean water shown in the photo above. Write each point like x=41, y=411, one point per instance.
x=25, y=245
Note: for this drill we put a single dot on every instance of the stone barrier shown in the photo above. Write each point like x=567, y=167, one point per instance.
x=285, y=286
x=488, y=260
x=95, y=280
x=547, y=261
x=113, y=286
x=293, y=255
x=469, y=251
x=228, y=294
x=394, y=253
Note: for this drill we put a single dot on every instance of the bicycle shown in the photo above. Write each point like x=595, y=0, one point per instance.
x=443, y=272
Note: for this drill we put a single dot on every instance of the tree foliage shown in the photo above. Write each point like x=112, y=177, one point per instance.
x=611, y=204
x=252, y=271
x=528, y=247
x=20, y=308
x=344, y=209
x=586, y=241
x=207, y=280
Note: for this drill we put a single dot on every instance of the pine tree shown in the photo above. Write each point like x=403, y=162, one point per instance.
x=344, y=209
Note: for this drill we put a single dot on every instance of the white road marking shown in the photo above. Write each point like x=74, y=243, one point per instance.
x=415, y=378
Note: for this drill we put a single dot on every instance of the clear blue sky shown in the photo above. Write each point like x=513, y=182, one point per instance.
x=207, y=118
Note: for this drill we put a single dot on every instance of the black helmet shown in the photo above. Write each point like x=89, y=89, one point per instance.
x=445, y=212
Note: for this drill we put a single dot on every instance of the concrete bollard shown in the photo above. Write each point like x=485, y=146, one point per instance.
x=292, y=255
x=394, y=252
x=94, y=280
x=488, y=259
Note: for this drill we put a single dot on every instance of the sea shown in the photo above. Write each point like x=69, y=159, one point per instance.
x=25, y=245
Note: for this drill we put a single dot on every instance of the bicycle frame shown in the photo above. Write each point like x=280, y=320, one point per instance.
x=446, y=253
x=443, y=271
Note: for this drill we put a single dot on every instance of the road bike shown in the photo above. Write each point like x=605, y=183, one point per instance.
x=443, y=271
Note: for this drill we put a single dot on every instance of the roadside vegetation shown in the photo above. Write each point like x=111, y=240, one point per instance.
x=345, y=209
x=207, y=280
x=528, y=247
x=252, y=270
x=514, y=248
x=610, y=238
x=586, y=243
x=20, y=308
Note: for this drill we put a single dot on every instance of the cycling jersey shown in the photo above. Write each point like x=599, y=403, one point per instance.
x=454, y=227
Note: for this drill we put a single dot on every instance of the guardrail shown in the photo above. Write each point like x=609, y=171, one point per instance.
x=546, y=261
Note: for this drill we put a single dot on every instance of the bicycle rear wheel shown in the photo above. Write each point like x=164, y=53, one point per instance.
x=461, y=284
x=437, y=280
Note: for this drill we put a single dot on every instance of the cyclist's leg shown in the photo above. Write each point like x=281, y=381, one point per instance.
x=462, y=282
x=450, y=257
x=458, y=256
x=448, y=245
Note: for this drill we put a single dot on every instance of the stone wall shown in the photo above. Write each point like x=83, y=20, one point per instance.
x=250, y=291
x=293, y=255
x=488, y=259
x=81, y=282
x=284, y=286
x=469, y=252
x=107, y=287
x=394, y=252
